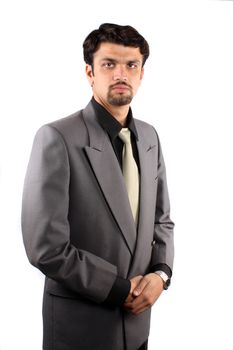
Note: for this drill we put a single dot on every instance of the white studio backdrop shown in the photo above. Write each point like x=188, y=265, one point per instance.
x=186, y=94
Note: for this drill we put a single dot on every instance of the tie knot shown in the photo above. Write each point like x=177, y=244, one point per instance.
x=124, y=135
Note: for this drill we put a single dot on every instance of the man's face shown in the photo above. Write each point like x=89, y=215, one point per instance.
x=116, y=75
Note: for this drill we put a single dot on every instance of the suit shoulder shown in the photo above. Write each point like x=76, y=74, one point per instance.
x=147, y=129
x=68, y=131
x=73, y=120
x=70, y=127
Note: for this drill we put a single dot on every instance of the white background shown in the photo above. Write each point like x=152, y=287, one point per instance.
x=186, y=94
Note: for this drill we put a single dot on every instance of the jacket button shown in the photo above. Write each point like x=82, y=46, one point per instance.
x=153, y=243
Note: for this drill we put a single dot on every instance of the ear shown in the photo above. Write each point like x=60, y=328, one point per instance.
x=89, y=73
x=142, y=73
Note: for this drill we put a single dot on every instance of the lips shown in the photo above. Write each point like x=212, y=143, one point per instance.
x=120, y=88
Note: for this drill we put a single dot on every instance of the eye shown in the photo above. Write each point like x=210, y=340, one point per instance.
x=108, y=64
x=132, y=65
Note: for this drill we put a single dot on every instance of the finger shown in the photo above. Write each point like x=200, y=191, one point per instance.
x=130, y=304
x=135, y=304
x=142, y=302
x=128, y=307
x=140, y=287
x=137, y=308
x=134, y=282
x=129, y=299
x=140, y=310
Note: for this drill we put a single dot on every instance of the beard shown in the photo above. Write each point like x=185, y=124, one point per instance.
x=119, y=99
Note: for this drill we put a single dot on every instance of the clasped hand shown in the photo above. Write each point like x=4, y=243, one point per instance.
x=144, y=292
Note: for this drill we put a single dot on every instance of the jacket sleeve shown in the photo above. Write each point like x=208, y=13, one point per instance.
x=163, y=248
x=45, y=224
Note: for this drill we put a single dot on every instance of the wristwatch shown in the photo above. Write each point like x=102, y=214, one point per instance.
x=165, y=278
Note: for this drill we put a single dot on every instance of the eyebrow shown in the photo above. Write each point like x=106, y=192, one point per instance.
x=115, y=61
x=108, y=59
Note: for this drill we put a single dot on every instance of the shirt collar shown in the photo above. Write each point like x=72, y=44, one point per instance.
x=110, y=124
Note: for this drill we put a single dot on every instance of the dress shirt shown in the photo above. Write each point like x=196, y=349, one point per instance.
x=121, y=287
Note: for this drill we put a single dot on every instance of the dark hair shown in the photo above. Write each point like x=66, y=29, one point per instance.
x=116, y=34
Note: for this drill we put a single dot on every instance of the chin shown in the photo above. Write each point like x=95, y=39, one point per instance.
x=120, y=100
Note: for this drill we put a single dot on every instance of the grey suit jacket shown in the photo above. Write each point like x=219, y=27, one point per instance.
x=79, y=231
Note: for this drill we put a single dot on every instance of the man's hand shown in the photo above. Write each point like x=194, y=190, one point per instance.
x=145, y=294
x=134, y=283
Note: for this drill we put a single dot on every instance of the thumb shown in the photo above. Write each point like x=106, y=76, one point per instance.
x=139, y=288
x=135, y=282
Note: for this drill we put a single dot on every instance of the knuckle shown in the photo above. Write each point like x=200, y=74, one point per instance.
x=145, y=299
x=148, y=299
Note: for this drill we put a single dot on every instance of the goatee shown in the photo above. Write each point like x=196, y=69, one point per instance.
x=119, y=100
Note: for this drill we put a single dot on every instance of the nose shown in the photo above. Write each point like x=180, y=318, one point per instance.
x=119, y=73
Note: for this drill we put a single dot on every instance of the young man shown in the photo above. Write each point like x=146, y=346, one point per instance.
x=95, y=215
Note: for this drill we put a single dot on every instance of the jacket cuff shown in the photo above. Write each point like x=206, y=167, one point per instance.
x=162, y=267
x=119, y=292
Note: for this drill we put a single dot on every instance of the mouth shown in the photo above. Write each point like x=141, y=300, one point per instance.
x=120, y=88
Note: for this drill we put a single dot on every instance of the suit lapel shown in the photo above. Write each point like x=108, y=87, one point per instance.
x=147, y=159
x=109, y=176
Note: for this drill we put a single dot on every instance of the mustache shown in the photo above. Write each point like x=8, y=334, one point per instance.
x=121, y=83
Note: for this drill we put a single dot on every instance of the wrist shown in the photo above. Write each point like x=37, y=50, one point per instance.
x=165, y=279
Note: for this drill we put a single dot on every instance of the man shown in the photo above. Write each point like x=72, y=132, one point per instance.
x=95, y=215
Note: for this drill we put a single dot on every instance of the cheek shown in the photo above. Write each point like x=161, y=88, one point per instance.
x=102, y=81
x=136, y=85
x=100, y=86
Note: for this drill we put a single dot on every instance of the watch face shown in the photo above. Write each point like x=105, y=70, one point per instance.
x=167, y=283
x=165, y=278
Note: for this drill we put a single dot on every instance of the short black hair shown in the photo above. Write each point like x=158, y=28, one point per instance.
x=116, y=34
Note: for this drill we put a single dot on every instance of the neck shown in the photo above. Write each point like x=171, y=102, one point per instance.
x=118, y=112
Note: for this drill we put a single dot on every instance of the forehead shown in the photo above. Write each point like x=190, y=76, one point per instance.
x=117, y=52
